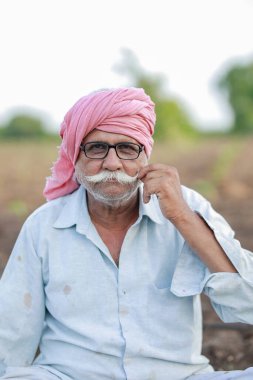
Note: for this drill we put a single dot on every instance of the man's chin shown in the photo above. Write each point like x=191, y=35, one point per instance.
x=112, y=198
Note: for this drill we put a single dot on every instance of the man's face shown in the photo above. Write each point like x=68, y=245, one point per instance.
x=109, y=191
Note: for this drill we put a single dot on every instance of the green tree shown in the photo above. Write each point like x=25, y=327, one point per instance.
x=238, y=86
x=23, y=126
x=172, y=120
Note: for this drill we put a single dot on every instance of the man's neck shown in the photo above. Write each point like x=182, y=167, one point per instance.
x=117, y=217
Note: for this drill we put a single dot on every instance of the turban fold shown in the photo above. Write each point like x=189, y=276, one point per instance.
x=127, y=111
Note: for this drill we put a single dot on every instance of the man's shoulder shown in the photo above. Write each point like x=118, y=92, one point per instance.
x=192, y=197
x=49, y=212
x=50, y=207
x=197, y=202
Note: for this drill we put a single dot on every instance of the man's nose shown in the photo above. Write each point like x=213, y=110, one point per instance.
x=112, y=161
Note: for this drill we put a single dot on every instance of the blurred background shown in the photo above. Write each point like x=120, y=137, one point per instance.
x=194, y=58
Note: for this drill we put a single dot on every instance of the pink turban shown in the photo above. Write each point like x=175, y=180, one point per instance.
x=127, y=111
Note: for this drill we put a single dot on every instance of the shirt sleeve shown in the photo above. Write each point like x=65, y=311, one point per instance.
x=231, y=294
x=22, y=306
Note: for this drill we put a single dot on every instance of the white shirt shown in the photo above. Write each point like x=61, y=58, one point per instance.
x=95, y=321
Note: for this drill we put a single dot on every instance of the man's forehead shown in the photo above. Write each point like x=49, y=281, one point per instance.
x=97, y=135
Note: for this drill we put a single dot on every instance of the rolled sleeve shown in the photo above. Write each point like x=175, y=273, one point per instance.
x=242, y=259
x=231, y=294
x=231, y=297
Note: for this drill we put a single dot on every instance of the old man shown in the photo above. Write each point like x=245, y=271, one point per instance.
x=106, y=277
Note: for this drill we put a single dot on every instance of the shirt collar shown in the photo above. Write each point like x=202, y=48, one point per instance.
x=75, y=211
x=151, y=209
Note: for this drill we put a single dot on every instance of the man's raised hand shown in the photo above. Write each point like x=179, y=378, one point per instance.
x=163, y=180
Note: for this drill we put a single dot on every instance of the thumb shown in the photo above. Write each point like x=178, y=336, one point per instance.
x=146, y=196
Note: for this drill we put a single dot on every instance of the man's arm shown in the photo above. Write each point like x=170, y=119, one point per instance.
x=163, y=181
x=201, y=239
x=210, y=244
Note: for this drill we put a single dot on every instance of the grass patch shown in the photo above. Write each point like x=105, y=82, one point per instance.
x=18, y=207
x=221, y=168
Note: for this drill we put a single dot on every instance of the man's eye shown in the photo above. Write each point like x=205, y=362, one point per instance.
x=96, y=147
x=127, y=148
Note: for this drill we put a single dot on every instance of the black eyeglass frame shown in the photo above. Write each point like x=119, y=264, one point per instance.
x=109, y=146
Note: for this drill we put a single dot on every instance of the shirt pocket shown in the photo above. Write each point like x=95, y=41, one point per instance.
x=190, y=275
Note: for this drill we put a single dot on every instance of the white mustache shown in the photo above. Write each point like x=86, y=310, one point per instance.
x=106, y=176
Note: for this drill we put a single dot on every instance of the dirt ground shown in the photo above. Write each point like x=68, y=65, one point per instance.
x=228, y=346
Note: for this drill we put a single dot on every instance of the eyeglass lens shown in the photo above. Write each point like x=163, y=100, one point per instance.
x=123, y=150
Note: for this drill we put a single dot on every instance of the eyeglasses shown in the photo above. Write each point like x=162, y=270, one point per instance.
x=124, y=150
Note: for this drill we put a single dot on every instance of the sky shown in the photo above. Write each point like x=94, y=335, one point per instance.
x=55, y=51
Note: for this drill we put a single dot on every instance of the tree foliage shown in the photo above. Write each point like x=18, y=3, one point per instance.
x=238, y=85
x=172, y=120
x=23, y=126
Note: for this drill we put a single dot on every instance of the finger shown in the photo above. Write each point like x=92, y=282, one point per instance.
x=163, y=176
x=156, y=168
x=146, y=193
x=149, y=168
x=146, y=198
x=150, y=188
x=158, y=174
